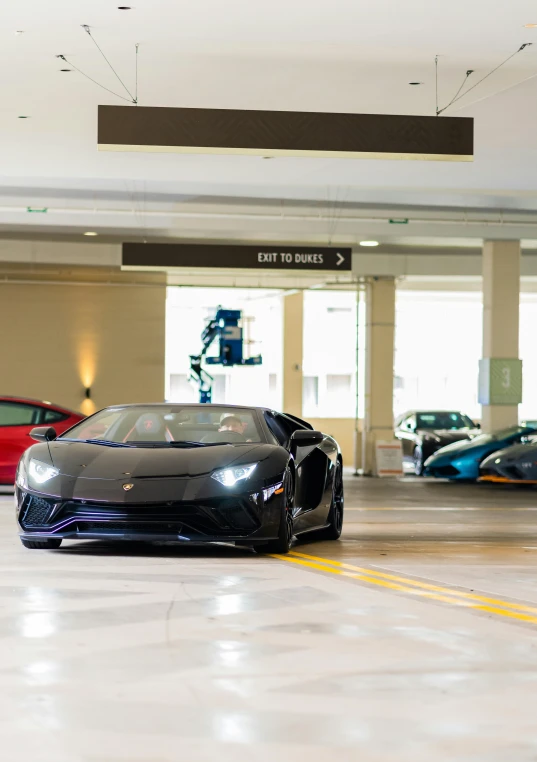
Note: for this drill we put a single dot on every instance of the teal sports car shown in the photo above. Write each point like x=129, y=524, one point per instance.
x=461, y=460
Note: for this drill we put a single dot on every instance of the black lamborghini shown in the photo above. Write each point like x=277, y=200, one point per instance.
x=183, y=473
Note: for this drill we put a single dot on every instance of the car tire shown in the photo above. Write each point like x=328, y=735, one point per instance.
x=283, y=543
x=335, y=515
x=417, y=459
x=52, y=544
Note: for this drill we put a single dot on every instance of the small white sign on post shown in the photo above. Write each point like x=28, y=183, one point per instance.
x=389, y=458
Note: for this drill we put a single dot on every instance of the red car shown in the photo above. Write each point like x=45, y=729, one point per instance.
x=18, y=416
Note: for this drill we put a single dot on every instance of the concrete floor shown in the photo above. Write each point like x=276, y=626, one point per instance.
x=414, y=638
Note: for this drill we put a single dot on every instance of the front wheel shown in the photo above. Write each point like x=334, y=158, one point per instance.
x=52, y=544
x=283, y=543
x=418, y=461
x=335, y=516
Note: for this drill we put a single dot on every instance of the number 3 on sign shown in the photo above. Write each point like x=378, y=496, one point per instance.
x=506, y=378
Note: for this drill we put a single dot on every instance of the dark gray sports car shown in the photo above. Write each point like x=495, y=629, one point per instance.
x=183, y=473
x=512, y=465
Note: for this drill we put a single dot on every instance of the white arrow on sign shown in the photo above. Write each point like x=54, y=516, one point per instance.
x=340, y=259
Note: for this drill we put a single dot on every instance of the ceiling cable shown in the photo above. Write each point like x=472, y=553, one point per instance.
x=63, y=58
x=468, y=73
x=86, y=28
x=136, y=84
x=436, y=82
x=462, y=95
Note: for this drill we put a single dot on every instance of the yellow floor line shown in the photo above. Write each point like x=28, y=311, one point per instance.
x=393, y=582
x=419, y=584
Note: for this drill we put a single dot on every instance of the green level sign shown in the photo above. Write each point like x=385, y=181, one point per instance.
x=500, y=381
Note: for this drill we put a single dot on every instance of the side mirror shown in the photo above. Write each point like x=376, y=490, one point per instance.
x=43, y=434
x=306, y=438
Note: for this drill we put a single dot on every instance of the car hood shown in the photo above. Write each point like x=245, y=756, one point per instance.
x=514, y=454
x=457, y=448
x=447, y=435
x=94, y=461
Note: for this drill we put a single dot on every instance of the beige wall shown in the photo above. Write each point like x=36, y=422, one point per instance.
x=57, y=338
x=343, y=430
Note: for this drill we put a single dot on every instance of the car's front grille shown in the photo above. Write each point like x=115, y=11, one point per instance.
x=146, y=527
x=446, y=471
x=36, y=511
x=213, y=518
x=515, y=473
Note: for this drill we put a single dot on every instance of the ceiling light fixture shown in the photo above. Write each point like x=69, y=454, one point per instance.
x=415, y=84
x=66, y=70
x=369, y=243
x=91, y=232
x=124, y=8
x=23, y=117
x=530, y=26
x=19, y=32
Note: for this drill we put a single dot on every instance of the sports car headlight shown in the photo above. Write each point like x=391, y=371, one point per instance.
x=230, y=476
x=40, y=473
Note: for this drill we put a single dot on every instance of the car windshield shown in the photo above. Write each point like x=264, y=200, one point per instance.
x=169, y=426
x=444, y=421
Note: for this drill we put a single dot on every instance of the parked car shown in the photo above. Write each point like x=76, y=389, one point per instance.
x=514, y=465
x=18, y=416
x=461, y=460
x=422, y=433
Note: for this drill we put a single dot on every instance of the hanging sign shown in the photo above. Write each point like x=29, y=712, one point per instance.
x=258, y=257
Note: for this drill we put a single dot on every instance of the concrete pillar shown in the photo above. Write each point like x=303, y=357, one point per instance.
x=293, y=348
x=501, y=307
x=379, y=359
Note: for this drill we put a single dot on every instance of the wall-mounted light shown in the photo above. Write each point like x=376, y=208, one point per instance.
x=87, y=393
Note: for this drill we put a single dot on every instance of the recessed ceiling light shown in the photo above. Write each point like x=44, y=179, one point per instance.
x=369, y=243
x=415, y=84
x=91, y=232
x=530, y=26
x=124, y=8
x=66, y=70
x=19, y=32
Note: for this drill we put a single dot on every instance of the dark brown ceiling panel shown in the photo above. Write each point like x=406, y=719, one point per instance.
x=285, y=133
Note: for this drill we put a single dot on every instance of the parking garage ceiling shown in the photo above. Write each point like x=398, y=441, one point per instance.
x=330, y=56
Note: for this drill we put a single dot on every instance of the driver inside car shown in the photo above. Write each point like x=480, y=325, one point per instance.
x=232, y=423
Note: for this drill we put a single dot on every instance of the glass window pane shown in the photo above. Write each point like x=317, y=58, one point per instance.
x=15, y=414
x=53, y=416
